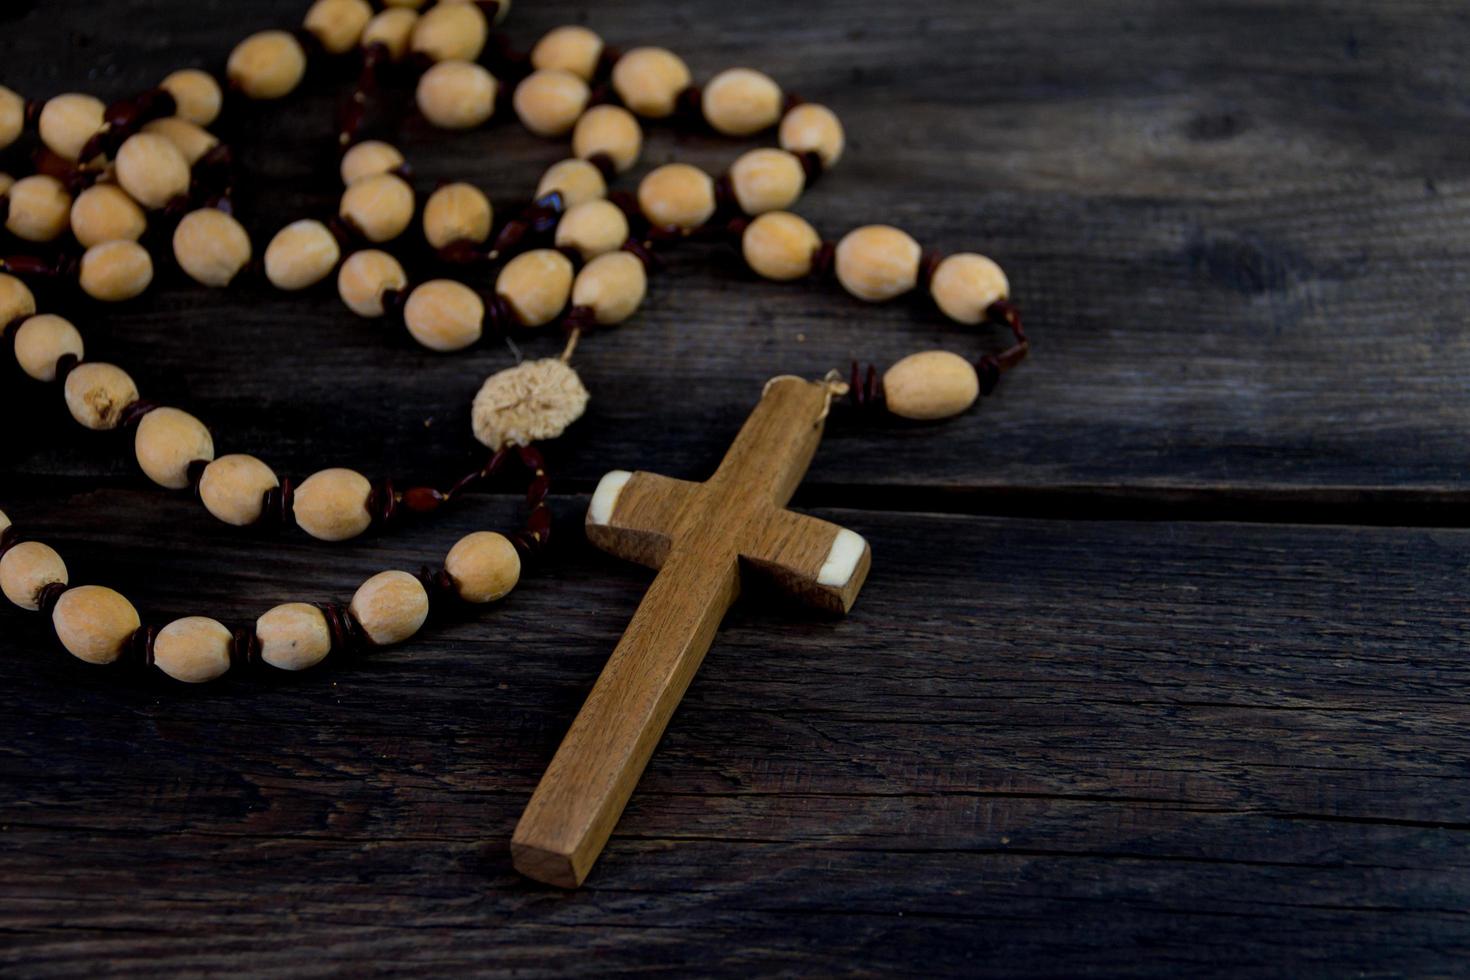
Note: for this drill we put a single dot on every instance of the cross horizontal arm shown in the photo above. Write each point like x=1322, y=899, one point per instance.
x=634, y=515
x=817, y=561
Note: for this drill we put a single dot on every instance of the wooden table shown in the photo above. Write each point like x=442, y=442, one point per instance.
x=1162, y=665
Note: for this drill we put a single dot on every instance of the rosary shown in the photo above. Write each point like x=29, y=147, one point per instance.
x=113, y=182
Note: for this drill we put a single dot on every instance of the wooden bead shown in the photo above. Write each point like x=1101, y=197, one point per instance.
x=444, y=315
x=613, y=285
x=610, y=130
x=576, y=180
x=766, y=180
x=96, y=394
x=152, y=170
x=779, y=245
x=41, y=341
x=484, y=566
x=741, y=101
x=537, y=285
x=549, y=101
x=331, y=505
x=649, y=81
x=105, y=213
x=190, y=140
x=365, y=277
x=94, y=623
x=571, y=48
x=812, y=128
x=450, y=32
x=877, y=262
x=6, y=183
x=195, y=649
x=211, y=247
x=338, y=24
x=456, y=94
x=16, y=301
x=677, y=195
x=390, y=607
x=267, y=65
x=12, y=116
x=592, y=228
x=380, y=207
x=40, y=208
x=393, y=29
x=26, y=569
x=233, y=488
x=116, y=271
x=368, y=158
x=167, y=441
x=68, y=121
x=197, y=96
x=965, y=285
x=293, y=636
x=302, y=254
x=457, y=212
x=934, y=384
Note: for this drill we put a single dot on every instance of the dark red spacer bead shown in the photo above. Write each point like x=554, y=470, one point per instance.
x=823, y=258
x=539, y=520
x=423, y=500
x=47, y=597
x=134, y=413
x=539, y=488
x=531, y=458
x=604, y=165
x=244, y=648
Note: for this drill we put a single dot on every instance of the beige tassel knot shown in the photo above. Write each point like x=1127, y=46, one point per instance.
x=532, y=401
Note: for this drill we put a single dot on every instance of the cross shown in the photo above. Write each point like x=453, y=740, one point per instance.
x=703, y=537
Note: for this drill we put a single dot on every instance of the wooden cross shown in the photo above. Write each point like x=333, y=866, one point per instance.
x=701, y=536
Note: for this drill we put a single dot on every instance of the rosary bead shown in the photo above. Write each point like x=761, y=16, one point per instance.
x=302, y=254
x=649, y=81
x=43, y=340
x=444, y=315
x=293, y=636
x=68, y=121
x=612, y=285
x=741, y=101
x=549, y=101
x=571, y=48
x=365, y=277
x=965, y=285
x=16, y=301
x=380, y=206
x=190, y=140
x=97, y=393
x=392, y=28
x=152, y=170
x=812, y=128
x=767, y=180
x=332, y=505
x=877, y=262
x=536, y=284
x=26, y=569
x=105, y=213
x=933, y=384
x=484, y=566
x=116, y=271
x=12, y=116
x=592, y=228
x=6, y=183
x=40, y=208
x=779, y=245
x=338, y=24
x=576, y=180
x=368, y=158
x=197, y=97
x=610, y=130
x=390, y=607
x=195, y=649
x=450, y=32
x=167, y=441
x=233, y=488
x=456, y=94
x=267, y=65
x=677, y=195
x=457, y=212
x=94, y=623
x=211, y=247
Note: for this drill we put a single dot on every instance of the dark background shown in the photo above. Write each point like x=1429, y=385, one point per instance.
x=1162, y=664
